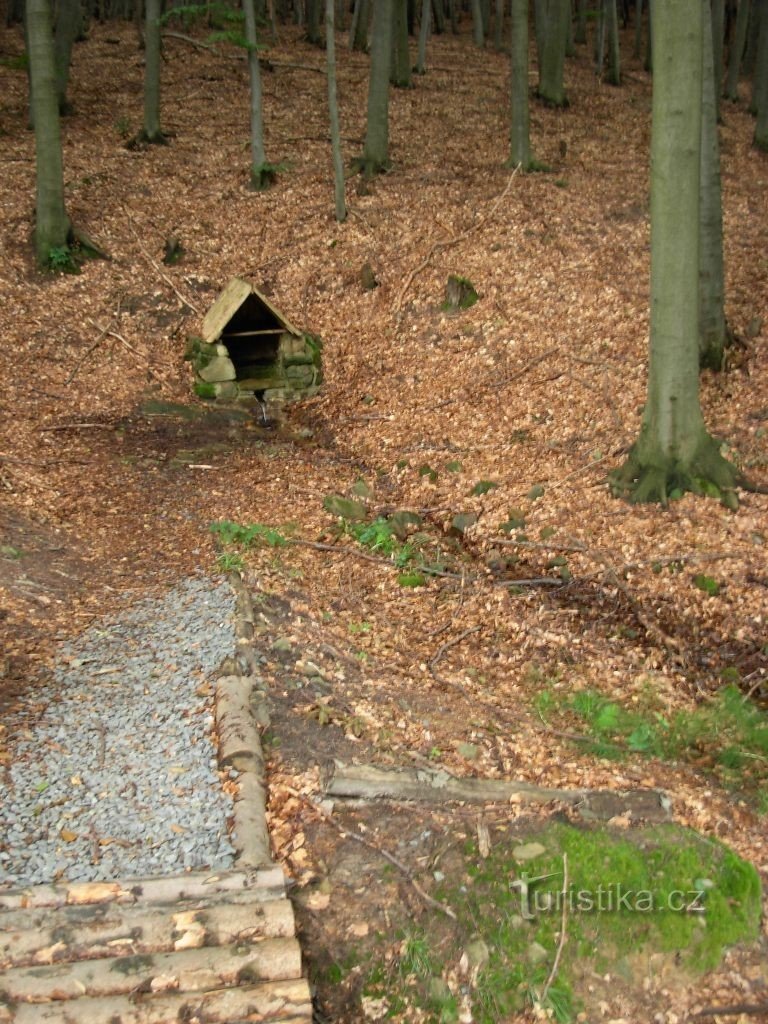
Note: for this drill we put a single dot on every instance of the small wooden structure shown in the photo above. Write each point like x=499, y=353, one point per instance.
x=249, y=348
x=214, y=948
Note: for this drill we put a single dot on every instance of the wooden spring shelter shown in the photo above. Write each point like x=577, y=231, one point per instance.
x=248, y=349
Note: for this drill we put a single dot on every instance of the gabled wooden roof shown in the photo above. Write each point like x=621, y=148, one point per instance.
x=228, y=303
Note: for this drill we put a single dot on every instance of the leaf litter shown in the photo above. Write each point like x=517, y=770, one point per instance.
x=537, y=389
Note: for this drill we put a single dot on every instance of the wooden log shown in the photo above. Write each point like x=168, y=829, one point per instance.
x=29, y=937
x=267, y=880
x=250, y=834
x=239, y=739
x=281, y=1002
x=191, y=970
x=437, y=786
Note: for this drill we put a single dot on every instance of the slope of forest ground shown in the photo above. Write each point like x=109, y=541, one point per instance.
x=533, y=394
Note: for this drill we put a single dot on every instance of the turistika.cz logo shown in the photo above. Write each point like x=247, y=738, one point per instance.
x=604, y=899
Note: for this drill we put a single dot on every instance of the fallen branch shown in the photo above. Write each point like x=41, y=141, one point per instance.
x=735, y=1010
x=443, y=908
x=368, y=782
x=188, y=39
x=156, y=266
x=76, y=368
x=448, y=243
x=77, y=426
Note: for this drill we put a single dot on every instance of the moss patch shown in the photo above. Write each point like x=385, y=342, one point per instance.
x=665, y=890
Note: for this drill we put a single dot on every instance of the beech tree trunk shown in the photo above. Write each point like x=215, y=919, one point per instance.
x=674, y=453
x=713, y=332
x=580, y=32
x=400, y=74
x=52, y=226
x=551, y=71
x=738, y=45
x=262, y=173
x=718, y=44
x=498, y=26
x=759, y=104
x=69, y=20
x=478, y=33
x=613, y=76
x=358, y=32
x=151, y=130
x=376, y=152
x=426, y=17
x=520, y=129
x=333, y=113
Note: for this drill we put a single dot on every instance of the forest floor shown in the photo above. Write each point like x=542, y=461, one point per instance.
x=111, y=474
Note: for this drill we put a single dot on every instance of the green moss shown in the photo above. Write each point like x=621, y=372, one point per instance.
x=203, y=389
x=645, y=889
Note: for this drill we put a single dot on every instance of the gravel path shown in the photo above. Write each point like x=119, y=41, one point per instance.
x=118, y=777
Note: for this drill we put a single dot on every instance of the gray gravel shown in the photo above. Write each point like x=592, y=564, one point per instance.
x=118, y=776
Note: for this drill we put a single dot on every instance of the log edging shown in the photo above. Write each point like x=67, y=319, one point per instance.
x=241, y=713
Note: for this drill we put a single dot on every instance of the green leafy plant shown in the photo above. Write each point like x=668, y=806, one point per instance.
x=707, y=584
x=730, y=736
x=62, y=259
x=229, y=561
x=248, y=536
x=483, y=486
x=123, y=127
x=378, y=536
x=17, y=63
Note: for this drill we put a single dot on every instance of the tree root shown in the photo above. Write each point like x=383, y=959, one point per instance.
x=658, y=479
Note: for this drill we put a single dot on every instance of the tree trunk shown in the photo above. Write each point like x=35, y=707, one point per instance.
x=648, y=63
x=400, y=74
x=600, y=41
x=426, y=15
x=333, y=112
x=52, y=227
x=718, y=45
x=519, y=135
x=540, y=28
x=498, y=26
x=376, y=152
x=438, y=16
x=759, y=105
x=314, y=35
x=638, y=30
x=68, y=25
x=358, y=32
x=613, y=77
x=738, y=45
x=262, y=174
x=551, y=72
x=674, y=453
x=713, y=332
x=151, y=130
x=478, y=34
x=580, y=34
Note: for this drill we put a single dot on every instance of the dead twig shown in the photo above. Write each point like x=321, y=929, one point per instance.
x=443, y=908
x=563, y=934
x=448, y=243
x=521, y=373
x=446, y=646
x=131, y=348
